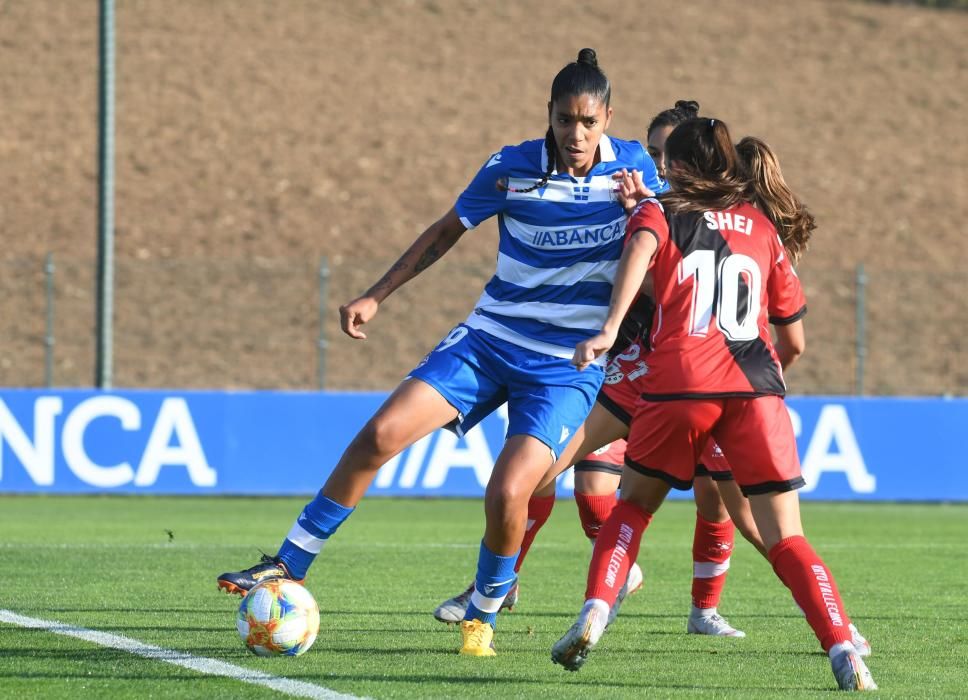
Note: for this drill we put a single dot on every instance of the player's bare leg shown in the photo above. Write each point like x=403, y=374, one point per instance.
x=516, y=474
x=738, y=508
x=599, y=429
x=413, y=410
x=596, y=432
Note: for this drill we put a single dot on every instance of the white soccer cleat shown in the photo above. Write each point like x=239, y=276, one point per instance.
x=849, y=668
x=712, y=624
x=862, y=646
x=632, y=583
x=635, y=578
x=452, y=610
x=571, y=651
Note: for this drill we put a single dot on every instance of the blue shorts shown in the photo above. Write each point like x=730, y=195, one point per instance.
x=547, y=397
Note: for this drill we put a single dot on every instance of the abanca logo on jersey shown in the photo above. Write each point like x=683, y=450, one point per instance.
x=579, y=236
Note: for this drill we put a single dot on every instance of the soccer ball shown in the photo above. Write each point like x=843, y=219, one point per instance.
x=278, y=617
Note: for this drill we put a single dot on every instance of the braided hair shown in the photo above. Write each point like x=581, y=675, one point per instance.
x=552, y=150
x=580, y=77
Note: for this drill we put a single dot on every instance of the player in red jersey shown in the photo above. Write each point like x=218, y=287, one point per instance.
x=719, y=501
x=597, y=473
x=721, y=277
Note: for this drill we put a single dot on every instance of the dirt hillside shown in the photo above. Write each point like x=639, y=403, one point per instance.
x=256, y=138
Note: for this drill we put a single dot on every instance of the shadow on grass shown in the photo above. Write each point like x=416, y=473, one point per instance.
x=557, y=677
x=440, y=681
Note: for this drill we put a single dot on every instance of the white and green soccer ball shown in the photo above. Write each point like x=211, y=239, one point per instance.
x=278, y=618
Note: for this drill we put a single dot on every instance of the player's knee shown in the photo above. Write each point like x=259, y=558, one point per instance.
x=503, y=501
x=380, y=439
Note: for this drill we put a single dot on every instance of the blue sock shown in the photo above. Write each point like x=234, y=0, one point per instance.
x=318, y=520
x=495, y=576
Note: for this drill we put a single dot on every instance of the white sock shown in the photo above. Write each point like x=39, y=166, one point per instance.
x=841, y=647
x=702, y=612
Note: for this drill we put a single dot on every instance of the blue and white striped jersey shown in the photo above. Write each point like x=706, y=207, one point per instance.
x=559, y=245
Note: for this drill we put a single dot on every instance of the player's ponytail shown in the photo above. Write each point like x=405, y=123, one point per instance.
x=674, y=116
x=580, y=77
x=769, y=191
x=704, y=169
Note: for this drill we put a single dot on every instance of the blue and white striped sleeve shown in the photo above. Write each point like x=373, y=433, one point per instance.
x=483, y=198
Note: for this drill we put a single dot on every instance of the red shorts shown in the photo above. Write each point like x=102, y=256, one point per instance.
x=610, y=458
x=667, y=439
x=619, y=393
x=713, y=463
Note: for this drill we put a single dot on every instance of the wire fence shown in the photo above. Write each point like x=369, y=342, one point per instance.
x=273, y=324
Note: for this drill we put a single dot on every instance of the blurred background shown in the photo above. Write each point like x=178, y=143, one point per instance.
x=274, y=158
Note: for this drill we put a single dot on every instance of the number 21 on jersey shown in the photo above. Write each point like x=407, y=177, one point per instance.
x=722, y=288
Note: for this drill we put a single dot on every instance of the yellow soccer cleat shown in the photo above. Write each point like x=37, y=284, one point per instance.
x=478, y=638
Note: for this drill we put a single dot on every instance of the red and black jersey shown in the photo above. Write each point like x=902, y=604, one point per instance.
x=721, y=277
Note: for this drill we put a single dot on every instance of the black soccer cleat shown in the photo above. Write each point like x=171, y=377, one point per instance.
x=241, y=582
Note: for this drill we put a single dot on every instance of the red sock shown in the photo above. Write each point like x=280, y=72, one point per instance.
x=539, y=510
x=813, y=588
x=594, y=511
x=616, y=547
x=711, y=547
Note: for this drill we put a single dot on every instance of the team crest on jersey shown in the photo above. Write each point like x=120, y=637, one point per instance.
x=614, y=377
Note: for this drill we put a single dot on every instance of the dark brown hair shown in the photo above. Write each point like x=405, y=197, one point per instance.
x=684, y=109
x=770, y=193
x=704, y=169
x=580, y=77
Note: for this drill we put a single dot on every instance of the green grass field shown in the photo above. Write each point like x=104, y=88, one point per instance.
x=107, y=564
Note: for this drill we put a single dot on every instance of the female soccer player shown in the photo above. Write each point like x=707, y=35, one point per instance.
x=597, y=474
x=561, y=231
x=721, y=276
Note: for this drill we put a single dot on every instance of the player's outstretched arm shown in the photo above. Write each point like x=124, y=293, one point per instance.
x=424, y=252
x=628, y=282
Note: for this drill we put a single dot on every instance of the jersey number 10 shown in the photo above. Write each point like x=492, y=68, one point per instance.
x=720, y=287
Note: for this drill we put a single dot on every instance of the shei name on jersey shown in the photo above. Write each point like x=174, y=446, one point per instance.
x=720, y=220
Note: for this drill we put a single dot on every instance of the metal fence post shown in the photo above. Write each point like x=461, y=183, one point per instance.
x=321, y=342
x=861, y=329
x=104, y=360
x=49, y=333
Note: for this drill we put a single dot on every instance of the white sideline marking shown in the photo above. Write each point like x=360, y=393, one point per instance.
x=199, y=664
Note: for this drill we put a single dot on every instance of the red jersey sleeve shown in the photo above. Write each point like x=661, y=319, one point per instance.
x=649, y=216
x=787, y=302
